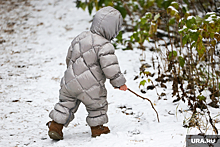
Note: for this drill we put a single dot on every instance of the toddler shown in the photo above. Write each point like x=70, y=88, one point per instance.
x=90, y=60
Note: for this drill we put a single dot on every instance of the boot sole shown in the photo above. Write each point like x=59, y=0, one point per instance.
x=54, y=135
x=100, y=134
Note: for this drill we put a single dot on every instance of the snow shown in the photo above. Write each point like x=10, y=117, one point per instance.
x=184, y=27
x=32, y=64
x=190, y=17
x=192, y=30
x=210, y=13
x=172, y=8
x=174, y=3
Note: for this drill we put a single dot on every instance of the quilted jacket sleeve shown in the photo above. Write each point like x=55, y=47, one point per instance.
x=68, y=57
x=109, y=65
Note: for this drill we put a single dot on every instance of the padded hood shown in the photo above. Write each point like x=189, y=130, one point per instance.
x=107, y=23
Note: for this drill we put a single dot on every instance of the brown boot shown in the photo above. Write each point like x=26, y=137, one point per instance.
x=98, y=130
x=55, y=130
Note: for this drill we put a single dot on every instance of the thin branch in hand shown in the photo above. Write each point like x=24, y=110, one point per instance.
x=146, y=99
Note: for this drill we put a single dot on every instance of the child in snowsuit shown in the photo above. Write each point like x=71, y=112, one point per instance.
x=90, y=60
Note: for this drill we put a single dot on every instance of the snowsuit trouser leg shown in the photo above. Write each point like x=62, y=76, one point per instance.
x=64, y=110
x=97, y=112
x=96, y=106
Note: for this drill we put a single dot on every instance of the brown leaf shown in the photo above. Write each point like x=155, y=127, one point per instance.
x=150, y=87
x=136, y=77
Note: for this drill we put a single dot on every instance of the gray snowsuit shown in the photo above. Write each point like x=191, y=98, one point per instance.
x=90, y=60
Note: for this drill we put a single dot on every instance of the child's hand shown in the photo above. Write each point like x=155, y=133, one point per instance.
x=123, y=87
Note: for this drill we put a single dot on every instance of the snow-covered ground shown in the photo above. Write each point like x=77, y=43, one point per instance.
x=34, y=38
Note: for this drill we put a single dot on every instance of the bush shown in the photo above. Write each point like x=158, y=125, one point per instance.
x=191, y=59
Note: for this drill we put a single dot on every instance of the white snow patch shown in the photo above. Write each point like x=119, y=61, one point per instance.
x=32, y=64
x=190, y=17
x=171, y=7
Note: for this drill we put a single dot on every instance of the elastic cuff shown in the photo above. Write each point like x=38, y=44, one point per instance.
x=96, y=121
x=119, y=81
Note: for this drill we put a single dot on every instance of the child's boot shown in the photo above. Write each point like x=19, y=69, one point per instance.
x=98, y=130
x=55, y=130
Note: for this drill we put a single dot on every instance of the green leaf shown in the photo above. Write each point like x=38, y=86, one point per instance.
x=119, y=37
x=143, y=21
x=186, y=1
x=136, y=36
x=213, y=43
x=166, y=4
x=159, y=3
x=190, y=21
x=108, y=3
x=78, y=4
x=122, y=10
x=148, y=15
x=199, y=20
x=90, y=7
x=83, y=6
x=150, y=3
x=193, y=44
x=185, y=39
x=172, y=55
x=184, y=9
x=147, y=73
x=172, y=21
x=175, y=5
x=212, y=35
x=200, y=48
x=181, y=61
x=195, y=36
x=142, y=83
x=209, y=14
x=172, y=11
x=141, y=2
x=201, y=97
x=100, y=3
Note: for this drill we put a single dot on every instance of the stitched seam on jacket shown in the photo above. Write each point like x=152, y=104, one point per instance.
x=59, y=111
x=63, y=106
x=103, y=19
x=68, y=119
x=97, y=116
x=73, y=69
x=80, y=55
x=92, y=86
x=116, y=76
x=67, y=100
x=94, y=64
x=97, y=109
x=90, y=67
x=87, y=66
x=66, y=88
x=102, y=54
x=81, y=73
x=101, y=46
x=109, y=65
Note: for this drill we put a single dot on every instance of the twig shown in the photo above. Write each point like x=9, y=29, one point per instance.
x=146, y=99
x=128, y=11
x=211, y=122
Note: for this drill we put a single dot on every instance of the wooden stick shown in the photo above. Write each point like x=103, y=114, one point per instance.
x=146, y=99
